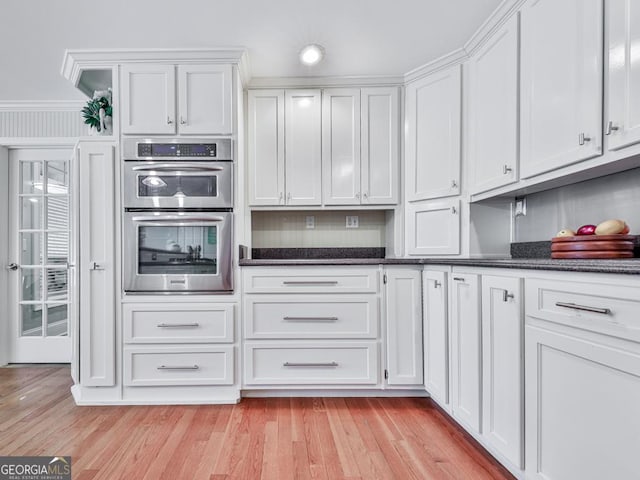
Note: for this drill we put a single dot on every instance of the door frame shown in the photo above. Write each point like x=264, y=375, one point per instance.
x=7, y=144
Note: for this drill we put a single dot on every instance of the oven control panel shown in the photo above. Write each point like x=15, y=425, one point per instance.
x=208, y=150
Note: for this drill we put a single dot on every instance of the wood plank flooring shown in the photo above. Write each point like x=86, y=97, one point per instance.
x=275, y=438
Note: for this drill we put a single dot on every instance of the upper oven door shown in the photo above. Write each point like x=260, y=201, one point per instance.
x=182, y=184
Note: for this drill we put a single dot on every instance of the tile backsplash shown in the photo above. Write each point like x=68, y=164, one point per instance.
x=287, y=229
x=590, y=202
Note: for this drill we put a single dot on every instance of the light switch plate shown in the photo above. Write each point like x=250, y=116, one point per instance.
x=521, y=207
x=352, y=221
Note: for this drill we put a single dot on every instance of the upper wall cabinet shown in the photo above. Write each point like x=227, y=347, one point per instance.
x=493, y=111
x=433, y=116
x=360, y=146
x=360, y=150
x=284, y=173
x=623, y=122
x=203, y=97
x=561, y=61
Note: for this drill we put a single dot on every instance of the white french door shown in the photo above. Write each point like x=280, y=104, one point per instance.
x=39, y=255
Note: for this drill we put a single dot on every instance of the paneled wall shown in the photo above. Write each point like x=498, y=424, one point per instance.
x=34, y=120
x=287, y=229
x=590, y=202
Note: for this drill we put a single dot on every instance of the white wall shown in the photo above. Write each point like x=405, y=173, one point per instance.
x=4, y=254
x=590, y=202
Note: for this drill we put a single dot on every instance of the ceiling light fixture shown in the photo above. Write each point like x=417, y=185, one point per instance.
x=311, y=54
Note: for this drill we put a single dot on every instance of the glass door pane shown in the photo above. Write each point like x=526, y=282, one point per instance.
x=44, y=247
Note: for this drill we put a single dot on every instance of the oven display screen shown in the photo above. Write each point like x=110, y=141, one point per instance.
x=177, y=150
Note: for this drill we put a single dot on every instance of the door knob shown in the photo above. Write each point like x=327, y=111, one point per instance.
x=12, y=266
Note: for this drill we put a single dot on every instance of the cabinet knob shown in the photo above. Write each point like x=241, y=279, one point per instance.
x=582, y=139
x=288, y=196
x=182, y=121
x=611, y=128
x=506, y=296
x=454, y=184
x=358, y=195
x=454, y=210
x=280, y=197
x=365, y=195
x=169, y=121
x=436, y=284
x=506, y=169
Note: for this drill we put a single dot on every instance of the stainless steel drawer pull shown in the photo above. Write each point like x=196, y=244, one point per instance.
x=310, y=319
x=310, y=282
x=178, y=367
x=458, y=279
x=506, y=295
x=436, y=284
x=305, y=364
x=178, y=325
x=575, y=306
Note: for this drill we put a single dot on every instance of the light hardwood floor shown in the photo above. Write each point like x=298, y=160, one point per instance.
x=277, y=438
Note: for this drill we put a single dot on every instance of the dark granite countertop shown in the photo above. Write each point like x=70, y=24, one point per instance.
x=625, y=266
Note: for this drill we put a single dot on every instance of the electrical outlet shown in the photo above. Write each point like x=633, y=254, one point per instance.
x=521, y=207
x=310, y=221
x=352, y=221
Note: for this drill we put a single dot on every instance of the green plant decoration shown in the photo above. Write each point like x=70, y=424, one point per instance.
x=91, y=112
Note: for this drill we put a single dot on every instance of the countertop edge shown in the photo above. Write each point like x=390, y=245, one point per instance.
x=626, y=266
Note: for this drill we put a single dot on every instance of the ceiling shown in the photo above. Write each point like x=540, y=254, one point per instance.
x=360, y=37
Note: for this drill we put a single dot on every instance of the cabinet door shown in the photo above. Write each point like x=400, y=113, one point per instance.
x=303, y=162
x=465, y=350
x=433, y=135
x=568, y=381
x=148, y=99
x=204, y=99
x=96, y=199
x=623, y=123
x=493, y=110
x=341, y=146
x=502, y=366
x=380, y=148
x=404, y=326
x=266, y=147
x=436, y=336
x=561, y=115
x=433, y=228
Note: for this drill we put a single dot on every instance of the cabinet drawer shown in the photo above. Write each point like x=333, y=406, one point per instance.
x=311, y=280
x=311, y=316
x=600, y=307
x=179, y=365
x=306, y=363
x=178, y=323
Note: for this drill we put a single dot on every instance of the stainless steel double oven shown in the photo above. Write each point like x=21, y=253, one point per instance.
x=178, y=200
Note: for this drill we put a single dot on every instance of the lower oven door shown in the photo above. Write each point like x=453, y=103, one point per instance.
x=178, y=252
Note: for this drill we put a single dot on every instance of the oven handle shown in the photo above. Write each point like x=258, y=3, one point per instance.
x=170, y=167
x=176, y=218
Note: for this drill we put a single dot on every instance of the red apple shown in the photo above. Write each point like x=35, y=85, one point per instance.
x=625, y=230
x=587, y=230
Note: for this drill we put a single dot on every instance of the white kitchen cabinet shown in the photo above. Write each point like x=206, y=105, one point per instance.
x=561, y=81
x=433, y=148
x=380, y=151
x=341, y=146
x=433, y=228
x=493, y=110
x=466, y=352
x=404, y=326
x=436, y=335
x=96, y=263
x=303, y=147
x=569, y=378
x=265, y=147
x=203, y=97
x=503, y=366
x=622, y=124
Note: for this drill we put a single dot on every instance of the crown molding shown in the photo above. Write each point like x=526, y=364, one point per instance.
x=492, y=24
x=41, y=106
x=454, y=58
x=318, y=82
